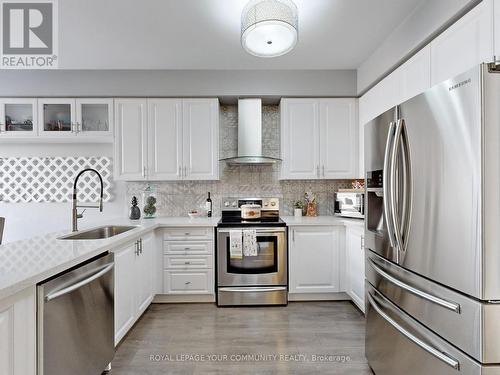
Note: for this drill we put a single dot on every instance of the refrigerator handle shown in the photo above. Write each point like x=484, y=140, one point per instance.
x=407, y=187
x=387, y=182
x=450, y=361
x=394, y=186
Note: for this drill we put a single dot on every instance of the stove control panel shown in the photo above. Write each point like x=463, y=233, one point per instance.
x=267, y=204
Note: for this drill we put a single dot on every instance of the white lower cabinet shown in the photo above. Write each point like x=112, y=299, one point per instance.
x=355, y=261
x=18, y=334
x=133, y=283
x=314, y=259
x=188, y=261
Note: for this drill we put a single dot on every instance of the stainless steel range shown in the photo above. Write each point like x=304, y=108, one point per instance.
x=251, y=278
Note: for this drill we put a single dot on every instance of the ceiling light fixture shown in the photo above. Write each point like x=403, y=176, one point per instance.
x=269, y=28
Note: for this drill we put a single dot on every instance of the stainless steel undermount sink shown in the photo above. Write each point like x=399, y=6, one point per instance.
x=98, y=233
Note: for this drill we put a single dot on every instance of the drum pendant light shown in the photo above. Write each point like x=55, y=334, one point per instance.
x=269, y=28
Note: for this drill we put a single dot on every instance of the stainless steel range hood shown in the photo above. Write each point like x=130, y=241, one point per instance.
x=250, y=135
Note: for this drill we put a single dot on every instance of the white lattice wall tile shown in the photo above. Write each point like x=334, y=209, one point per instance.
x=50, y=179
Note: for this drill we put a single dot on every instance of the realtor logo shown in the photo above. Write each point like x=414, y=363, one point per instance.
x=29, y=34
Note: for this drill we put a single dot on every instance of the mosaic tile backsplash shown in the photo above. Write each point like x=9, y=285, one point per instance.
x=177, y=198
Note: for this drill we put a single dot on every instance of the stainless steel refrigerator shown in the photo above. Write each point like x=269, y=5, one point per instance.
x=433, y=230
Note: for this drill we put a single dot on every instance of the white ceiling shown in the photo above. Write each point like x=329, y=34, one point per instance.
x=205, y=34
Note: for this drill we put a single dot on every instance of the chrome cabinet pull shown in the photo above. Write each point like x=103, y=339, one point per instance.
x=317, y=170
x=78, y=127
x=419, y=293
x=323, y=170
x=293, y=235
x=429, y=349
x=185, y=171
x=179, y=173
x=104, y=269
x=187, y=248
x=137, y=248
x=187, y=283
x=140, y=245
x=187, y=262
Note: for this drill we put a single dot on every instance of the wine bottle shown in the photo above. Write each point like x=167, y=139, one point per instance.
x=208, y=206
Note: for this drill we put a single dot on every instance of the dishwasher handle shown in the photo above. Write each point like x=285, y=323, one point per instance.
x=101, y=271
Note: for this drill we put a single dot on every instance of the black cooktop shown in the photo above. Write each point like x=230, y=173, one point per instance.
x=228, y=222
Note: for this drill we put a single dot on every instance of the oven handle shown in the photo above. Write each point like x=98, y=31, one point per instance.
x=274, y=289
x=258, y=230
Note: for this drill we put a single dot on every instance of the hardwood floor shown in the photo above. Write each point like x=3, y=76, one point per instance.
x=168, y=338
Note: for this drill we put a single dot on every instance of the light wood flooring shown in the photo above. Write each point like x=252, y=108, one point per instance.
x=171, y=338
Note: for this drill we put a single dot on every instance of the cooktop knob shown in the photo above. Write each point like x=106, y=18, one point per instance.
x=226, y=204
x=234, y=204
x=273, y=203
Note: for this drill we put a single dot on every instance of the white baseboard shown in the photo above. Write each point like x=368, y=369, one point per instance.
x=318, y=296
x=184, y=298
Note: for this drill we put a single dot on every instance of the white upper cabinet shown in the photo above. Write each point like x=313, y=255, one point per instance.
x=67, y=117
x=18, y=117
x=338, y=138
x=130, y=139
x=319, y=138
x=300, y=138
x=466, y=43
x=314, y=259
x=165, y=139
x=57, y=117
x=201, y=139
x=414, y=76
x=94, y=117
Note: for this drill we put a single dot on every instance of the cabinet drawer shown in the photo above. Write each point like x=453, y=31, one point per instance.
x=188, y=282
x=188, y=233
x=188, y=261
x=188, y=248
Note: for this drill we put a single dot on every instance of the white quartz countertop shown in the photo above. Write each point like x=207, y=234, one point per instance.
x=28, y=262
x=321, y=220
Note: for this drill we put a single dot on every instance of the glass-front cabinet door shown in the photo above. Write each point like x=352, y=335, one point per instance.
x=57, y=117
x=94, y=117
x=18, y=117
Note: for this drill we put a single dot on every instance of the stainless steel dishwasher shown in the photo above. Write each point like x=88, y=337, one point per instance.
x=76, y=320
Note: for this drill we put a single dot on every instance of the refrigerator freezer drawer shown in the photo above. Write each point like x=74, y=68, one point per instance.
x=397, y=344
x=461, y=320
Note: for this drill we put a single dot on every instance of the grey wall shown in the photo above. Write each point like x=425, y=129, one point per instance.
x=219, y=83
x=428, y=19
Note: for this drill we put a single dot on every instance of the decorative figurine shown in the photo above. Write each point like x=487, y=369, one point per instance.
x=135, y=212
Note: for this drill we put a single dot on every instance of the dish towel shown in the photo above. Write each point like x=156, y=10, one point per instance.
x=250, y=243
x=235, y=244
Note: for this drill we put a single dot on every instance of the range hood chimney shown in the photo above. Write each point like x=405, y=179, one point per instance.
x=250, y=135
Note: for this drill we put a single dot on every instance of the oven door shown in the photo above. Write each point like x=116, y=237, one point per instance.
x=269, y=267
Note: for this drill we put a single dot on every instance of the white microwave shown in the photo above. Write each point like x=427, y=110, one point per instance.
x=350, y=204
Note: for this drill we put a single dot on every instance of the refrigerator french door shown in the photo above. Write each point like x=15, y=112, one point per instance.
x=433, y=223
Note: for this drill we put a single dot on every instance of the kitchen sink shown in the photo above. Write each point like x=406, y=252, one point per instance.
x=98, y=233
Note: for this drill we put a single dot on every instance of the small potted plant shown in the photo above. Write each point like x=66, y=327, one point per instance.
x=298, y=208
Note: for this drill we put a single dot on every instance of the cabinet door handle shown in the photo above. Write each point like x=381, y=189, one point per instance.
x=187, y=248
x=140, y=245
x=187, y=283
x=79, y=127
x=362, y=242
x=137, y=248
x=185, y=171
x=144, y=171
x=317, y=170
x=187, y=262
x=323, y=170
x=179, y=174
x=293, y=235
